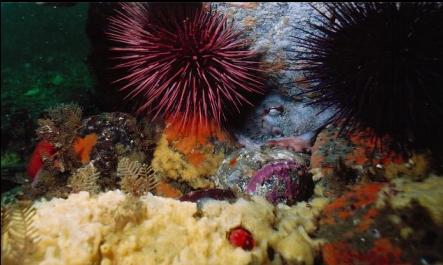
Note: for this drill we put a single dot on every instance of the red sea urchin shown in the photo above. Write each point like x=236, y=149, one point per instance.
x=183, y=59
x=381, y=66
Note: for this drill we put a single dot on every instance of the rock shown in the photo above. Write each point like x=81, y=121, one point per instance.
x=359, y=151
x=271, y=27
x=278, y=116
x=278, y=175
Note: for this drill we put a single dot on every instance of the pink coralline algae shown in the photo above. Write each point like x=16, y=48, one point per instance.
x=281, y=182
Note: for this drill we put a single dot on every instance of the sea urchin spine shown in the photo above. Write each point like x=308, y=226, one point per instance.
x=193, y=62
x=380, y=65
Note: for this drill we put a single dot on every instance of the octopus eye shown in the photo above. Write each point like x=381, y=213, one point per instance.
x=276, y=131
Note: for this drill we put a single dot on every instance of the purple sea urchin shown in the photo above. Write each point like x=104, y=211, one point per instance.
x=183, y=59
x=381, y=65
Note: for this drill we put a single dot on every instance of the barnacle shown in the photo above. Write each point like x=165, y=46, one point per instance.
x=136, y=178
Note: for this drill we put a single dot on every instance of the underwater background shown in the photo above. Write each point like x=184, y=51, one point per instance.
x=43, y=60
x=222, y=133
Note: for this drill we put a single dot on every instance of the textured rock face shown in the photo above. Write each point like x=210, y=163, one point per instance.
x=279, y=116
x=279, y=175
x=271, y=27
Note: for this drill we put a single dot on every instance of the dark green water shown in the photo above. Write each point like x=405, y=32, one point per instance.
x=43, y=63
x=31, y=31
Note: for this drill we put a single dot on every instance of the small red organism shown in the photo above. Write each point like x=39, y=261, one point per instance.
x=44, y=149
x=83, y=147
x=233, y=162
x=240, y=237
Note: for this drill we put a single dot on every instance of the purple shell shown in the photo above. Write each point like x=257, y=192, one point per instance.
x=281, y=182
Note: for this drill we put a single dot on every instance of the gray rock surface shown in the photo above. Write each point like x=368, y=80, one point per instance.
x=278, y=116
x=271, y=27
